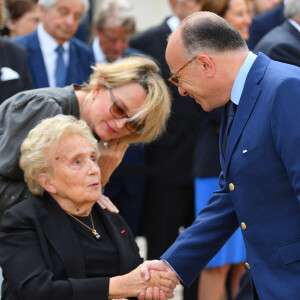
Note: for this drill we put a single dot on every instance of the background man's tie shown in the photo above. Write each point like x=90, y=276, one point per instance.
x=60, y=71
x=229, y=111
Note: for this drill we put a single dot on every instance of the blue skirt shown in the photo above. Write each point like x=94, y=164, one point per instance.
x=233, y=251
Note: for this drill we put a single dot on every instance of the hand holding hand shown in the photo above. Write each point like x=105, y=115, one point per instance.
x=156, y=293
x=162, y=284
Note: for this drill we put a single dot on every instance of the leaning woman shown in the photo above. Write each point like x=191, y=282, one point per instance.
x=60, y=244
x=123, y=102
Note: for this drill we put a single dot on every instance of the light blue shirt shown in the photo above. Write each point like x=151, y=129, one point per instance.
x=241, y=77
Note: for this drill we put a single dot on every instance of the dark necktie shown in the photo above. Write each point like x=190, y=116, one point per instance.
x=60, y=71
x=229, y=111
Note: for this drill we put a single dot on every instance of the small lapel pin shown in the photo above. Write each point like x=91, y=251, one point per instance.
x=123, y=231
x=244, y=151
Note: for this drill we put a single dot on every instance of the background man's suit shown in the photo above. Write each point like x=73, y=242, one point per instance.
x=169, y=186
x=263, y=23
x=80, y=60
x=14, y=57
x=281, y=44
x=260, y=186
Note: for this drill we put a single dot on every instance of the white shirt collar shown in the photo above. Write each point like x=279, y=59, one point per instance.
x=47, y=42
x=173, y=23
x=48, y=45
x=98, y=53
x=295, y=24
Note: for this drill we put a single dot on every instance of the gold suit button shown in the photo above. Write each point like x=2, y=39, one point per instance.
x=243, y=225
x=247, y=265
x=231, y=186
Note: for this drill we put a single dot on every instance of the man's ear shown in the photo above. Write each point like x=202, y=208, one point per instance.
x=45, y=182
x=206, y=64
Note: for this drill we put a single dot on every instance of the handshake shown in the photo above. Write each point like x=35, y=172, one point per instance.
x=152, y=280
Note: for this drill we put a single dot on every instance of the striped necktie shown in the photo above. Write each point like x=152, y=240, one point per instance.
x=229, y=111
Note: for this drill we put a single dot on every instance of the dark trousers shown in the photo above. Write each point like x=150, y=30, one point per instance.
x=166, y=208
x=246, y=290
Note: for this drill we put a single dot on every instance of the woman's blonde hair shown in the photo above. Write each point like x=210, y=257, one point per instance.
x=34, y=158
x=142, y=70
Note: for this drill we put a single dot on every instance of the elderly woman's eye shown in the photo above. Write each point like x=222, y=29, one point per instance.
x=76, y=162
x=94, y=158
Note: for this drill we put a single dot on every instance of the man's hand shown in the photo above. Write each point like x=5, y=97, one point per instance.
x=161, y=282
x=147, y=270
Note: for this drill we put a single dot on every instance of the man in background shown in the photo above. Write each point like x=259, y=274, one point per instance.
x=56, y=58
x=283, y=42
x=113, y=27
x=169, y=192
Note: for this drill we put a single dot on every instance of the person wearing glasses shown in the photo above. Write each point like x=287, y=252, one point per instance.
x=123, y=102
x=113, y=27
x=67, y=246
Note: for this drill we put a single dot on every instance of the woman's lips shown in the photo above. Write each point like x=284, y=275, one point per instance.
x=110, y=129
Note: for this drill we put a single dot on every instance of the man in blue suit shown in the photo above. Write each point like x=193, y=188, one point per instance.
x=283, y=42
x=263, y=23
x=56, y=58
x=260, y=177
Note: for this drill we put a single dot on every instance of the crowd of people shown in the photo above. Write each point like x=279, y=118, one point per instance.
x=99, y=145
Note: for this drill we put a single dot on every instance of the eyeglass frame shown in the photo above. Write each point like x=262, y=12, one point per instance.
x=178, y=71
x=139, y=128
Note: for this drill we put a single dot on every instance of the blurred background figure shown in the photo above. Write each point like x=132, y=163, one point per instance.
x=265, y=20
x=14, y=75
x=169, y=191
x=23, y=17
x=113, y=27
x=56, y=57
x=260, y=6
x=283, y=42
x=230, y=259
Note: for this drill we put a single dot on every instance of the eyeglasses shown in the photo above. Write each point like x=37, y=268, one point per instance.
x=119, y=113
x=175, y=77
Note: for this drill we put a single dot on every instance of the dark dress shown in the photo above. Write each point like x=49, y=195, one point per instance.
x=44, y=255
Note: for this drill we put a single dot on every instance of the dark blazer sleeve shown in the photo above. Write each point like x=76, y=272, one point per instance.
x=14, y=57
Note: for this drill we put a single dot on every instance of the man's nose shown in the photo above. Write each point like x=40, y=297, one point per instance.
x=182, y=91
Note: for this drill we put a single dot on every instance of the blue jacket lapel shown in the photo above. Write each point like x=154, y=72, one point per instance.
x=36, y=62
x=246, y=105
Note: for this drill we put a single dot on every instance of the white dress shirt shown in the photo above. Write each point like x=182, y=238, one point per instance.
x=48, y=45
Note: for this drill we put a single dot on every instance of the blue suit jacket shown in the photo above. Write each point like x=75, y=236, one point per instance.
x=80, y=60
x=281, y=44
x=263, y=163
x=263, y=23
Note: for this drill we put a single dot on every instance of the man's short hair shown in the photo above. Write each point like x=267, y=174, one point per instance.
x=115, y=13
x=47, y=4
x=206, y=31
x=292, y=9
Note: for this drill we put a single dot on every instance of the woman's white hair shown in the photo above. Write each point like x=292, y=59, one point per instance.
x=34, y=158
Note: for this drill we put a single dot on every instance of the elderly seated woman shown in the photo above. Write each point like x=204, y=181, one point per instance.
x=60, y=244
